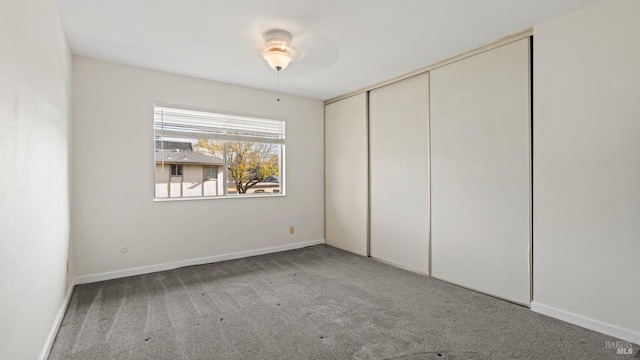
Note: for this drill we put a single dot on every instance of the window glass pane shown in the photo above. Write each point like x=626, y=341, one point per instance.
x=198, y=164
x=253, y=168
x=188, y=171
x=210, y=172
x=176, y=170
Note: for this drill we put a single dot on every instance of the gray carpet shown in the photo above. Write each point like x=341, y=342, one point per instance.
x=313, y=303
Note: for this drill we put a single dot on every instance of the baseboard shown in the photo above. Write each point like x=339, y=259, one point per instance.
x=586, y=322
x=199, y=261
x=46, y=349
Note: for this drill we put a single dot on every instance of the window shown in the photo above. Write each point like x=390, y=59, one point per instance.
x=217, y=155
x=210, y=172
x=176, y=170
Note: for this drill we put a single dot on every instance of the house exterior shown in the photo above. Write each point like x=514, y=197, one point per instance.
x=181, y=172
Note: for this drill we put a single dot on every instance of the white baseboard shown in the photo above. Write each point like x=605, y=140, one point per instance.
x=46, y=349
x=199, y=261
x=586, y=322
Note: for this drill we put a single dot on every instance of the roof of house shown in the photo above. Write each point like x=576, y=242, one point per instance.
x=186, y=157
x=179, y=152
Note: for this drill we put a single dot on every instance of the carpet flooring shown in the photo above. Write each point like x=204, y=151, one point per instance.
x=313, y=303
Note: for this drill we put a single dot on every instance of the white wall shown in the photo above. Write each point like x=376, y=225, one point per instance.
x=35, y=92
x=587, y=166
x=114, y=172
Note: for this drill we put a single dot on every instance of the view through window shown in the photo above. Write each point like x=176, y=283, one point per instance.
x=205, y=154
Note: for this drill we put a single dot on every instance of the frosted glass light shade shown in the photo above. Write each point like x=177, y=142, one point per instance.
x=278, y=59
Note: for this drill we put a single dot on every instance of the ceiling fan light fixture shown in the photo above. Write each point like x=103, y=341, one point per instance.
x=278, y=53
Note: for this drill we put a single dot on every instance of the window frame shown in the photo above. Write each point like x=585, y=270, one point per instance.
x=280, y=146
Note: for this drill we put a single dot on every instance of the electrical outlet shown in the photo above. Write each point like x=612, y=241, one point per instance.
x=292, y=230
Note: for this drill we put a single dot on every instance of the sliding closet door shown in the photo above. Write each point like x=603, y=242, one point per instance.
x=399, y=166
x=346, y=184
x=480, y=172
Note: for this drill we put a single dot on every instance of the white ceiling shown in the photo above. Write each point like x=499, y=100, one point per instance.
x=343, y=45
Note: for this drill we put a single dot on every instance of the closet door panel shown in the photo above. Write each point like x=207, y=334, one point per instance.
x=346, y=183
x=399, y=173
x=480, y=172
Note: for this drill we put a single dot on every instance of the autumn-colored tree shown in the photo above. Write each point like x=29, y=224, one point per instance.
x=248, y=163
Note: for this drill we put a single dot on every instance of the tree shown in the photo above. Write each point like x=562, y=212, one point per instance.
x=248, y=163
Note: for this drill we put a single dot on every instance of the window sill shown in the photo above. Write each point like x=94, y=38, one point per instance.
x=250, y=196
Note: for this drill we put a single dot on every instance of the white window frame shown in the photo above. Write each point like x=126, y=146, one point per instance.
x=173, y=122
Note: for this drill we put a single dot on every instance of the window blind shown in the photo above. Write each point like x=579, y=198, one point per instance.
x=194, y=124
